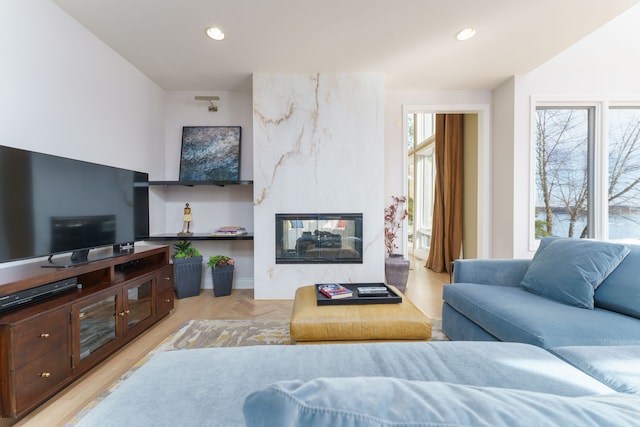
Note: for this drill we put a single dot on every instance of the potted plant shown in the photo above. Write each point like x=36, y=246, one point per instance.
x=396, y=267
x=222, y=268
x=187, y=270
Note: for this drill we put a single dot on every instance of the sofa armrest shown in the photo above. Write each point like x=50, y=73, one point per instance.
x=503, y=272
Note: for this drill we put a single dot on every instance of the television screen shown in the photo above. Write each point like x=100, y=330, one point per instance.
x=51, y=205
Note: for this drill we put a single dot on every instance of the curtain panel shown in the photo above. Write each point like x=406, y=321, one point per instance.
x=446, y=237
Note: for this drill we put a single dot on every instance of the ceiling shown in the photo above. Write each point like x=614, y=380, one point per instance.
x=410, y=41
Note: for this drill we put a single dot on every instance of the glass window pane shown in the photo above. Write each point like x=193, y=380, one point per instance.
x=139, y=304
x=624, y=173
x=97, y=325
x=562, y=185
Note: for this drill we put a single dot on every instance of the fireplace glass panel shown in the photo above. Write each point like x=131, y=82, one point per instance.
x=318, y=238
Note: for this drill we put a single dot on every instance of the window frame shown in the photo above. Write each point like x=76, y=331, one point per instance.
x=598, y=167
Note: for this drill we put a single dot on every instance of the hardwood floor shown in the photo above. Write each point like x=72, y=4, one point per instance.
x=424, y=288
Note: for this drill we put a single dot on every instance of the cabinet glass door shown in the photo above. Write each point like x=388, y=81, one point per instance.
x=139, y=304
x=97, y=325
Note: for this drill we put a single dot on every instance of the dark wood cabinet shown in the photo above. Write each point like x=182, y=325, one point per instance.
x=165, y=291
x=45, y=345
x=36, y=368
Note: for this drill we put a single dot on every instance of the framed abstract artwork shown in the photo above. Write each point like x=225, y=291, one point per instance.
x=210, y=153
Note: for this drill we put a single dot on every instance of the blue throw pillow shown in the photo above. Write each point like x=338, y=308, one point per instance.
x=384, y=401
x=570, y=270
x=620, y=292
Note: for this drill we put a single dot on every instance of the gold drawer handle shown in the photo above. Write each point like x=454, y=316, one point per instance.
x=124, y=313
x=44, y=335
x=44, y=374
x=167, y=300
x=167, y=278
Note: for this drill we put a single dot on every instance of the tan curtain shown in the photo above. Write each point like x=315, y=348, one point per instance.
x=446, y=236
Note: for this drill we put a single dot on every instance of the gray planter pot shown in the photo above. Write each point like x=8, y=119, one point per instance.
x=187, y=276
x=222, y=280
x=396, y=270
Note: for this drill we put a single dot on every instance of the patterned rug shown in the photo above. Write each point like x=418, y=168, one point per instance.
x=227, y=333
x=238, y=333
x=204, y=333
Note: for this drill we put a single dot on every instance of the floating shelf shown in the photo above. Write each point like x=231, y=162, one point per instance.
x=198, y=236
x=195, y=183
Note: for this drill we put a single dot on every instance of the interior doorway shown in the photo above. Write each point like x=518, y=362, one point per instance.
x=419, y=138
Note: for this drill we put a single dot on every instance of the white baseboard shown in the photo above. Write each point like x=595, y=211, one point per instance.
x=238, y=282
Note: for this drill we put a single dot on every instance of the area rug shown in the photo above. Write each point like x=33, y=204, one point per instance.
x=238, y=333
x=227, y=333
x=206, y=333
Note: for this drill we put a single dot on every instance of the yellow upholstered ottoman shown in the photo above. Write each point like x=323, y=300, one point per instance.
x=311, y=323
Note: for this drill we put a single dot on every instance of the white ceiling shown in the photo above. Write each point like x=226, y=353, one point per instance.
x=410, y=41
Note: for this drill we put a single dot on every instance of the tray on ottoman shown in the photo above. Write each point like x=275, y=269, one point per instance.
x=390, y=298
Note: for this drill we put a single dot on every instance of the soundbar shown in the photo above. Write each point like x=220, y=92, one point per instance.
x=22, y=297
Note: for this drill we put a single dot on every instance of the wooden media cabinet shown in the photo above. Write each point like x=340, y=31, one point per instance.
x=47, y=343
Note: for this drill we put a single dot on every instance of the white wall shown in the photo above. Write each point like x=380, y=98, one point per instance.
x=318, y=147
x=581, y=73
x=64, y=92
x=212, y=206
x=502, y=175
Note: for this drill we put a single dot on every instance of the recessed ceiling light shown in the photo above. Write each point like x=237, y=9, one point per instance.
x=215, y=33
x=465, y=34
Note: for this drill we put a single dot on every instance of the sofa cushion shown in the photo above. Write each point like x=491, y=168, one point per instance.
x=203, y=387
x=375, y=401
x=513, y=314
x=569, y=270
x=620, y=291
x=616, y=366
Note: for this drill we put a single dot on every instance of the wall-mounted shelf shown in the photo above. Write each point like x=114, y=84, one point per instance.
x=195, y=183
x=199, y=236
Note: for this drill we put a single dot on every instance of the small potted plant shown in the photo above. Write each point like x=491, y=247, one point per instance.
x=187, y=269
x=396, y=266
x=222, y=268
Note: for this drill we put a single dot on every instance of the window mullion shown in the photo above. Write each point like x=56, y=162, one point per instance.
x=592, y=180
x=602, y=173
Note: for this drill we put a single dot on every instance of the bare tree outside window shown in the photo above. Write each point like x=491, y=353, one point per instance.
x=624, y=173
x=562, y=172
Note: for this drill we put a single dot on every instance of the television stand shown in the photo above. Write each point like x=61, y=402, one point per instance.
x=65, y=329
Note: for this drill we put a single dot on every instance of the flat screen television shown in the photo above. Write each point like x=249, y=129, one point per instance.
x=51, y=205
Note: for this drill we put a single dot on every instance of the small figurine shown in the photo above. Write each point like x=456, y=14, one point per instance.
x=186, y=220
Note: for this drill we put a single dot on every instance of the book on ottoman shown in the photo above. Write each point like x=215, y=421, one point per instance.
x=335, y=291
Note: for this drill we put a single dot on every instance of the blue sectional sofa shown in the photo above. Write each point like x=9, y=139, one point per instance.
x=416, y=384
x=572, y=293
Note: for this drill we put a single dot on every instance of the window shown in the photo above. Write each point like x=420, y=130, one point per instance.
x=562, y=182
x=587, y=181
x=624, y=173
x=421, y=128
x=425, y=188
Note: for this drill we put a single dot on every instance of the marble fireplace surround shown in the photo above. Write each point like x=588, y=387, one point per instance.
x=318, y=146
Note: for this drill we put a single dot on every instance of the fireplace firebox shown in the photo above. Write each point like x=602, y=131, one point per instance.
x=319, y=238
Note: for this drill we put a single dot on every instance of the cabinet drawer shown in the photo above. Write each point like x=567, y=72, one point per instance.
x=39, y=336
x=165, y=302
x=165, y=278
x=41, y=378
